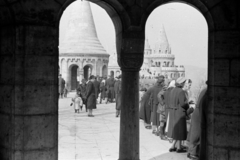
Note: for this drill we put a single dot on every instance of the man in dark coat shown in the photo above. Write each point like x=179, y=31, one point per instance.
x=91, y=98
x=195, y=127
x=117, y=89
x=145, y=110
x=97, y=87
x=153, y=92
x=110, y=89
x=61, y=86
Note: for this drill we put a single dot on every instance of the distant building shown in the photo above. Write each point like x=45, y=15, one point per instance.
x=81, y=54
x=157, y=61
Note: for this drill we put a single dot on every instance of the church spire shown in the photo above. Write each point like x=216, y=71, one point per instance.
x=162, y=45
x=81, y=36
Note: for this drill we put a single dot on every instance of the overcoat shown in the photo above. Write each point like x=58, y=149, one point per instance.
x=103, y=89
x=179, y=104
x=91, y=98
x=118, y=94
x=195, y=127
x=168, y=111
x=154, y=115
x=145, y=108
x=97, y=88
x=82, y=89
x=110, y=88
x=61, y=85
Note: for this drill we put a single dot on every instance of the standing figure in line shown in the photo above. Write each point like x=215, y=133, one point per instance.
x=77, y=102
x=61, y=86
x=102, y=90
x=97, y=87
x=118, y=95
x=179, y=105
x=91, y=98
x=195, y=127
x=110, y=89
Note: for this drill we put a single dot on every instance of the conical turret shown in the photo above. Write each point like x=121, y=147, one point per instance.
x=162, y=45
x=81, y=36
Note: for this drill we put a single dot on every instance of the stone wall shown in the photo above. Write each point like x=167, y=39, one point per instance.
x=29, y=75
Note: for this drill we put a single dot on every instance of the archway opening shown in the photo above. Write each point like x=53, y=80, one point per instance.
x=177, y=34
x=74, y=77
x=112, y=73
x=104, y=71
x=86, y=45
x=87, y=71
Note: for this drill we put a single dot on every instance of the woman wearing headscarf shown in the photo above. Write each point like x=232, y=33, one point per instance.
x=168, y=110
x=179, y=104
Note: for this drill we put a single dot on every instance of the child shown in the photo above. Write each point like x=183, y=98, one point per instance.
x=77, y=103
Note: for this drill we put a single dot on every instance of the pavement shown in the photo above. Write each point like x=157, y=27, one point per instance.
x=97, y=138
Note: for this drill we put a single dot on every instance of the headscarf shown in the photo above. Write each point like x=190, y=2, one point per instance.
x=172, y=84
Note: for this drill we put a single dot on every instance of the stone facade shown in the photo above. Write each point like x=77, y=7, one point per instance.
x=81, y=54
x=160, y=60
x=157, y=61
x=29, y=55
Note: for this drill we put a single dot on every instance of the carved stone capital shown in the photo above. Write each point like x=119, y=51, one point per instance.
x=131, y=61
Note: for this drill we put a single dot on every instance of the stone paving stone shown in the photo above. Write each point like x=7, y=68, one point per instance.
x=97, y=138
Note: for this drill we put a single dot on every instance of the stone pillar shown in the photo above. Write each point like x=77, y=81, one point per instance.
x=131, y=59
x=29, y=92
x=81, y=70
x=68, y=75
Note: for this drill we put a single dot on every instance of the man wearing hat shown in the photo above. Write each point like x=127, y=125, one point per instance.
x=117, y=89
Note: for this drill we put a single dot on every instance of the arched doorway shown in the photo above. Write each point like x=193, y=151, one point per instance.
x=104, y=71
x=112, y=73
x=74, y=75
x=87, y=71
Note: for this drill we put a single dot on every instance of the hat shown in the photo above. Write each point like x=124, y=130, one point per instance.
x=180, y=80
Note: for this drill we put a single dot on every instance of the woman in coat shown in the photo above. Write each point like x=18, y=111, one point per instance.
x=145, y=109
x=91, y=98
x=179, y=104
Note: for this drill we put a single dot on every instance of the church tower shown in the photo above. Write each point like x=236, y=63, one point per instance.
x=81, y=54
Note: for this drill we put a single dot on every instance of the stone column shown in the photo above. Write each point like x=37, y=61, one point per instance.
x=131, y=59
x=68, y=77
x=81, y=70
x=29, y=92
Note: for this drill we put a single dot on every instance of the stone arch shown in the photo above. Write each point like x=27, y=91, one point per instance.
x=72, y=79
x=87, y=71
x=112, y=73
x=104, y=71
x=118, y=73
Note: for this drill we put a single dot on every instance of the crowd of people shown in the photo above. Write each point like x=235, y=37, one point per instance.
x=167, y=109
x=89, y=91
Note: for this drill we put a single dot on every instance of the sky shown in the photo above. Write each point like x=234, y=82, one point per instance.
x=185, y=27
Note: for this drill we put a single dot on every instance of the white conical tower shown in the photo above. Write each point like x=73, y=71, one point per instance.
x=81, y=36
x=162, y=45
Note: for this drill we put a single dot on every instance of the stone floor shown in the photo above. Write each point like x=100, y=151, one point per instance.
x=97, y=138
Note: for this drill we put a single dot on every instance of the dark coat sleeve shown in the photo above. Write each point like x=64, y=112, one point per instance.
x=183, y=102
x=89, y=89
